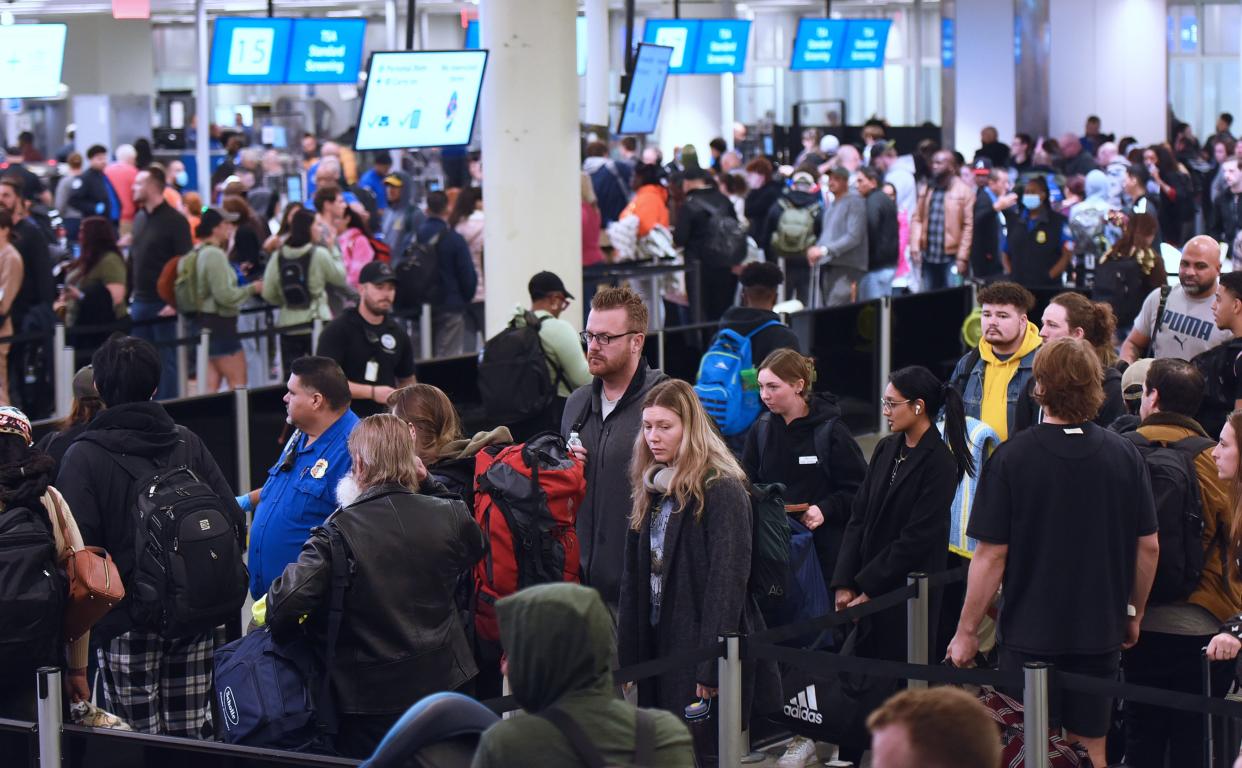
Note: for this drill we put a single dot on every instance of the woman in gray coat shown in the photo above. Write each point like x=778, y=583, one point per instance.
x=687, y=555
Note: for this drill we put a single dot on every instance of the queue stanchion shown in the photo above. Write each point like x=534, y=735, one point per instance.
x=62, y=390
x=241, y=418
x=51, y=716
x=886, y=352
x=424, y=333
x=201, y=359
x=316, y=329
x=917, y=617
x=780, y=289
x=183, y=359
x=729, y=701
x=660, y=348
x=1035, y=714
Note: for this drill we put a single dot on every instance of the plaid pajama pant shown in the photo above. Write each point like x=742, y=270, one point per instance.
x=159, y=686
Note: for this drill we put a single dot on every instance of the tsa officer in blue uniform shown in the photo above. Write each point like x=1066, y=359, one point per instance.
x=300, y=491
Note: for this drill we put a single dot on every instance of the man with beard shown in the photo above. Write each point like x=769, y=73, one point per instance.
x=943, y=224
x=372, y=348
x=993, y=378
x=605, y=417
x=31, y=309
x=1178, y=321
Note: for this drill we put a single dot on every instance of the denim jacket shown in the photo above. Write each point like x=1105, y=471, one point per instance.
x=967, y=379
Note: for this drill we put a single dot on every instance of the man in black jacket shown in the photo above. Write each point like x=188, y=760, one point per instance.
x=1226, y=218
x=987, y=246
x=698, y=232
x=882, y=241
x=457, y=278
x=91, y=194
x=156, y=684
x=760, y=281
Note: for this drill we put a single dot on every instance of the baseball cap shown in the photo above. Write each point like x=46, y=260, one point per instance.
x=1134, y=378
x=546, y=282
x=803, y=179
x=212, y=218
x=394, y=180
x=14, y=422
x=84, y=383
x=377, y=273
x=840, y=171
x=829, y=144
x=982, y=166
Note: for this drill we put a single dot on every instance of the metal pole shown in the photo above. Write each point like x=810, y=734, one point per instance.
x=51, y=717
x=183, y=359
x=63, y=393
x=729, y=699
x=241, y=417
x=676, y=9
x=1035, y=714
x=629, y=40
x=316, y=329
x=390, y=24
x=886, y=351
x=202, y=105
x=410, y=13
x=424, y=333
x=917, y=625
x=1209, y=741
x=204, y=340
x=660, y=348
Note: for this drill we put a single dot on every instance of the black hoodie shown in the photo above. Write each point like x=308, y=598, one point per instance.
x=743, y=320
x=100, y=495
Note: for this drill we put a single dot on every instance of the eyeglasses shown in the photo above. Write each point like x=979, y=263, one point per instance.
x=604, y=339
x=889, y=405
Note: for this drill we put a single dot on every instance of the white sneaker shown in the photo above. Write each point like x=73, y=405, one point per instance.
x=799, y=753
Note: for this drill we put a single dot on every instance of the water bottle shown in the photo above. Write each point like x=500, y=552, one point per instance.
x=574, y=441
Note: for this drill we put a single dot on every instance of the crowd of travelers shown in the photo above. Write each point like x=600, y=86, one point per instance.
x=1086, y=466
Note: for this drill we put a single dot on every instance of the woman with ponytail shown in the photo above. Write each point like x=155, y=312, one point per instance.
x=1072, y=314
x=900, y=519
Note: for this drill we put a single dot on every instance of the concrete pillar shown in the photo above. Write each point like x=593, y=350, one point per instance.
x=1032, y=53
x=983, y=88
x=597, y=73
x=530, y=137
x=1108, y=77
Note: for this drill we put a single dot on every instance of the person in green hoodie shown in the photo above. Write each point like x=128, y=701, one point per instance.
x=308, y=268
x=559, y=642
x=220, y=299
x=992, y=379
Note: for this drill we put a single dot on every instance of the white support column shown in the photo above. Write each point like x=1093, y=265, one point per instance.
x=597, y=72
x=202, y=104
x=390, y=24
x=529, y=133
x=728, y=110
x=984, y=72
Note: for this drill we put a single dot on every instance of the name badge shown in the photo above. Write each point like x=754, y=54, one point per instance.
x=1073, y=431
x=1041, y=237
x=808, y=459
x=372, y=371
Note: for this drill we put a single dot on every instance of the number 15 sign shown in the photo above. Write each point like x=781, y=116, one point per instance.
x=249, y=50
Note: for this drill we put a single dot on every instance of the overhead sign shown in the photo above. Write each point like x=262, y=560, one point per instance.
x=840, y=43
x=641, y=112
x=326, y=50
x=721, y=46
x=420, y=99
x=682, y=35
x=31, y=58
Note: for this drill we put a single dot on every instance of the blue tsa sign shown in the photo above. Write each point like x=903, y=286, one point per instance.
x=818, y=44
x=722, y=46
x=865, y=41
x=326, y=50
x=249, y=50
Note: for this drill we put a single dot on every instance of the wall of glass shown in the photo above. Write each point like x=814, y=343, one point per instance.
x=1205, y=63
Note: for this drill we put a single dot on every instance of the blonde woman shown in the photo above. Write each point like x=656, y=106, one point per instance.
x=406, y=548
x=687, y=553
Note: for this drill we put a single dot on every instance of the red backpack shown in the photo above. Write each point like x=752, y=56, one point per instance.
x=383, y=252
x=526, y=501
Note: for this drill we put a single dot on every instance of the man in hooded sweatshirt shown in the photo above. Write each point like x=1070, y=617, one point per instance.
x=156, y=684
x=401, y=218
x=993, y=378
x=1088, y=228
x=558, y=641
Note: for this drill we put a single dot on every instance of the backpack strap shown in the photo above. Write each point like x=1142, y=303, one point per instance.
x=644, y=738
x=326, y=709
x=763, y=327
x=1155, y=331
x=569, y=728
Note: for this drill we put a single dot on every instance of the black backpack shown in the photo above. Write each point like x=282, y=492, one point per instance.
x=1119, y=283
x=1220, y=384
x=32, y=590
x=294, y=279
x=418, y=274
x=188, y=575
x=724, y=243
x=1179, y=513
x=513, y=374
x=769, y=561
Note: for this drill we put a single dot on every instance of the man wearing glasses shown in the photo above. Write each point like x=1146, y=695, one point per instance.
x=605, y=417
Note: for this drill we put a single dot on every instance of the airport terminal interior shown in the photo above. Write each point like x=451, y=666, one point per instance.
x=846, y=383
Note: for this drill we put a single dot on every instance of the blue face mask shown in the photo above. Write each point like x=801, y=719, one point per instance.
x=183, y=179
x=1031, y=202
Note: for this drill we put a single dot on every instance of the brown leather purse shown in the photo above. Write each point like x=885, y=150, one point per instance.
x=94, y=583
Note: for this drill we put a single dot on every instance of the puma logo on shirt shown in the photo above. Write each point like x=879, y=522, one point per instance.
x=1186, y=325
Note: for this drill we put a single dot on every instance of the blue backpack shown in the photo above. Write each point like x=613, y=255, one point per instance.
x=279, y=695
x=720, y=386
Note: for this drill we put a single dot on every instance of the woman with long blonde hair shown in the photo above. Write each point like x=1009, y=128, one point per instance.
x=687, y=553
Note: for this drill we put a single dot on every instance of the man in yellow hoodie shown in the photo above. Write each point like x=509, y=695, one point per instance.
x=993, y=378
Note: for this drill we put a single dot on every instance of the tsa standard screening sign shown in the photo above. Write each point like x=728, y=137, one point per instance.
x=326, y=50
x=420, y=99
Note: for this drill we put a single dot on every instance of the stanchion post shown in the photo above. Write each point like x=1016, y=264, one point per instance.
x=886, y=350
x=780, y=289
x=729, y=699
x=424, y=332
x=63, y=393
x=183, y=359
x=316, y=329
x=204, y=343
x=660, y=348
x=1035, y=713
x=51, y=717
x=917, y=619
x=241, y=416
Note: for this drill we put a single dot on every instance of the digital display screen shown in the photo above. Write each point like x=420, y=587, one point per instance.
x=840, y=44
x=642, y=102
x=721, y=47
x=682, y=35
x=246, y=50
x=33, y=57
x=420, y=99
x=326, y=50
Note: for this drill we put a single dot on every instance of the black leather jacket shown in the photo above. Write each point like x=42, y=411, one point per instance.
x=401, y=638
